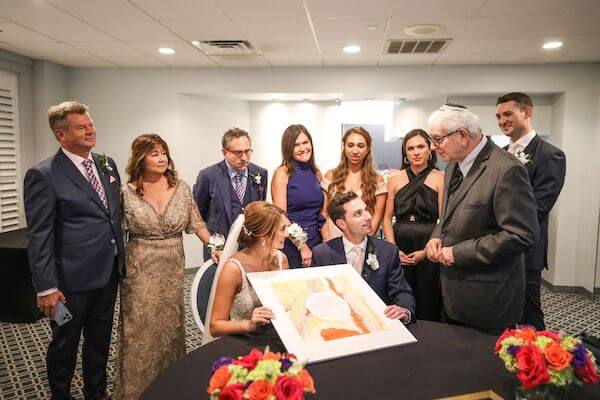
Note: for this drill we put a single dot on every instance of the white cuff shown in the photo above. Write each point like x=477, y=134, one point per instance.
x=47, y=292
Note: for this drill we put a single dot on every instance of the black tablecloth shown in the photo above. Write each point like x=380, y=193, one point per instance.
x=447, y=361
x=17, y=296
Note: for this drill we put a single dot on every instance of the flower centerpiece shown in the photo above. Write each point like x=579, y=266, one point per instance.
x=545, y=362
x=260, y=376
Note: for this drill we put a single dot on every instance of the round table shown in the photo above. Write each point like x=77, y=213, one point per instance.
x=447, y=361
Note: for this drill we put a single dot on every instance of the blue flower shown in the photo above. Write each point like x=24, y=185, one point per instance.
x=580, y=356
x=220, y=362
x=286, y=363
x=512, y=350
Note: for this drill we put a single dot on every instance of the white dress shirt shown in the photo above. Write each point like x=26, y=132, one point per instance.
x=522, y=143
x=466, y=164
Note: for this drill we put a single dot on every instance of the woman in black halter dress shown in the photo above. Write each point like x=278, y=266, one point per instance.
x=414, y=197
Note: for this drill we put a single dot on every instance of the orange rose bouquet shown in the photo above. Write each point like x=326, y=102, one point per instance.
x=543, y=360
x=260, y=376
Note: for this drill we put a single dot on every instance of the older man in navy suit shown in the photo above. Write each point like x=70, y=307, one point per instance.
x=376, y=260
x=73, y=210
x=224, y=189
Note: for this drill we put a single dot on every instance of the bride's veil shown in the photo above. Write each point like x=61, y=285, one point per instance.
x=231, y=247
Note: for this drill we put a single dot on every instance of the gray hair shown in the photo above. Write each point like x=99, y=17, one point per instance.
x=57, y=115
x=452, y=118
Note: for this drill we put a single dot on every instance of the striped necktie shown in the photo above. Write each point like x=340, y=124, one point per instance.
x=238, y=184
x=94, y=182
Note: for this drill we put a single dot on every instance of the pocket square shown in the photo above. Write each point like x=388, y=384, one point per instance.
x=112, y=179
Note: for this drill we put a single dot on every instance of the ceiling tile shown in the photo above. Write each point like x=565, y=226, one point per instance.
x=33, y=10
x=496, y=8
x=263, y=9
x=579, y=56
x=353, y=60
x=107, y=49
x=349, y=9
x=86, y=61
x=288, y=28
x=407, y=59
x=205, y=30
x=189, y=61
x=584, y=6
x=181, y=9
x=136, y=30
x=578, y=24
x=464, y=59
x=136, y=62
x=281, y=47
x=151, y=47
x=104, y=10
x=334, y=47
x=473, y=46
x=453, y=25
x=241, y=61
x=10, y=32
x=15, y=48
x=436, y=8
x=294, y=60
x=529, y=57
x=74, y=31
x=516, y=26
x=350, y=28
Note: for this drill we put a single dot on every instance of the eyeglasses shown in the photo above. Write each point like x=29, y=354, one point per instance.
x=440, y=139
x=240, y=153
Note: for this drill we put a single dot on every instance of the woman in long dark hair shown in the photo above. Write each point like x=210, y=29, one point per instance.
x=296, y=189
x=414, y=200
x=355, y=173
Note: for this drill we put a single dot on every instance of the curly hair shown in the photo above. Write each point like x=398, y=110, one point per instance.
x=140, y=148
x=368, y=174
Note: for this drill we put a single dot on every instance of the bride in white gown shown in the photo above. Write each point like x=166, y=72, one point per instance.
x=234, y=307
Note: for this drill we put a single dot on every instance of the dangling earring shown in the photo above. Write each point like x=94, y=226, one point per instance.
x=406, y=160
x=430, y=156
x=264, y=244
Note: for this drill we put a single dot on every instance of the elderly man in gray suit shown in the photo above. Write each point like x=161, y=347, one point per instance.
x=488, y=221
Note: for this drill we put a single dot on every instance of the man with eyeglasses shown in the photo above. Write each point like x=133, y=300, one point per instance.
x=487, y=222
x=224, y=189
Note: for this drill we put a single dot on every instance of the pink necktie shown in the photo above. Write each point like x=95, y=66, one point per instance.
x=94, y=182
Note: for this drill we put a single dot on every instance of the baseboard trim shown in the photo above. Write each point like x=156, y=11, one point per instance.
x=567, y=289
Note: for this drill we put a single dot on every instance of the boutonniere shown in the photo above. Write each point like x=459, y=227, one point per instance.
x=524, y=157
x=257, y=180
x=372, y=258
x=104, y=163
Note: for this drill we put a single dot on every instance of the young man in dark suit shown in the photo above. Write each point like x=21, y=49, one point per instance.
x=377, y=261
x=486, y=224
x=73, y=210
x=223, y=190
x=546, y=166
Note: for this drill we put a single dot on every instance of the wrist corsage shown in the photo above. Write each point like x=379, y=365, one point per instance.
x=298, y=235
x=216, y=242
x=372, y=258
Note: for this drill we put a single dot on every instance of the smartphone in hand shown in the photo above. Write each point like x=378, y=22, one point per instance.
x=62, y=315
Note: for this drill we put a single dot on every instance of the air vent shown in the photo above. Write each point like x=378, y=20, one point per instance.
x=430, y=46
x=225, y=47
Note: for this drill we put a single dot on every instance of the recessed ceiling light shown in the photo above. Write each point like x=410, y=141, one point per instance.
x=352, y=49
x=196, y=43
x=552, y=45
x=372, y=27
x=369, y=99
x=166, y=50
x=424, y=29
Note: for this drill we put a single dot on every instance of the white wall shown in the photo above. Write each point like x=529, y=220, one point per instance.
x=127, y=102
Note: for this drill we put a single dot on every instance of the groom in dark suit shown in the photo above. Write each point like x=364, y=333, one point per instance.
x=73, y=210
x=546, y=166
x=377, y=261
x=224, y=189
x=487, y=223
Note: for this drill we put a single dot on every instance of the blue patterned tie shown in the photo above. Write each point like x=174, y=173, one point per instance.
x=94, y=182
x=239, y=186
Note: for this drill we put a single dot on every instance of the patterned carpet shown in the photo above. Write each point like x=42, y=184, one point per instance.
x=23, y=346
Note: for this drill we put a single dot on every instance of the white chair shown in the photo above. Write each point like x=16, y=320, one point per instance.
x=200, y=292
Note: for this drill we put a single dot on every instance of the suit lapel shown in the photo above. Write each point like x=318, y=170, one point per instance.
x=532, y=149
x=71, y=171
x=339, y=254
x=474, y=173
x=224, y=185
x=250, y=182
x=104, y=179
x=366, y=269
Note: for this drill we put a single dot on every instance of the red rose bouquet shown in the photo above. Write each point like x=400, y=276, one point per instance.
x=260, y=376
x=545, y=358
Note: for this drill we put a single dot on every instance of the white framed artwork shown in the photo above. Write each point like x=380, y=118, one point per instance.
x=322, y=313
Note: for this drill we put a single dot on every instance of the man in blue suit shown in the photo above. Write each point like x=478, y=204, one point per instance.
x=376, y=260
x=224, y=189
x=73, y=210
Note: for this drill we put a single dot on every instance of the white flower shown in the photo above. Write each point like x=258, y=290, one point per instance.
x=297, y=234
x=523, y=157
x=216, y=242
x=257, y=178
x=372, y=261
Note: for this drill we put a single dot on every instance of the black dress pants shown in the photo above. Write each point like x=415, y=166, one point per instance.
x=532, y=313
x=92, y=312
